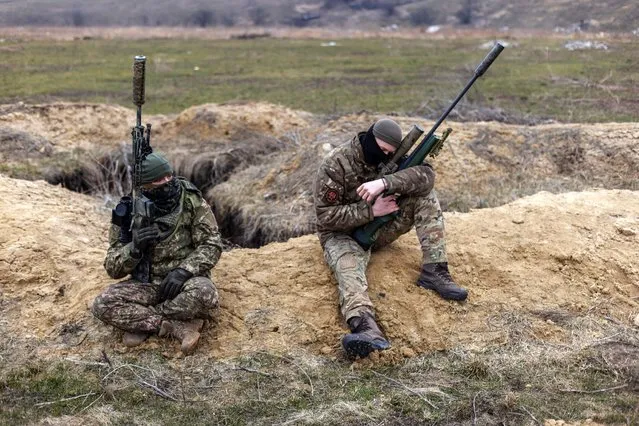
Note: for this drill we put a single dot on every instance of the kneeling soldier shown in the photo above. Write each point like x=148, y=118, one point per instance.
x=182, y=244
x=348, y=195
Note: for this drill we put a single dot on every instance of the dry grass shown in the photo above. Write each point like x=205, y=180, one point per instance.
x=16, y=145
x=107, y=175
x=261, y=187
x=208, y=164
x=270, y=201
x=594, y=374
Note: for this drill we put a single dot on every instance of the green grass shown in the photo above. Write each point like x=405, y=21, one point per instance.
x=509, y=384
x=536, y=78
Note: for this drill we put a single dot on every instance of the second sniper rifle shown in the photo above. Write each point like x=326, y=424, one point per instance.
x=431, y=145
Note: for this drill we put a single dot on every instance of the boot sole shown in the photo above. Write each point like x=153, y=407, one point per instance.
x=448, y=295
x=356, y=347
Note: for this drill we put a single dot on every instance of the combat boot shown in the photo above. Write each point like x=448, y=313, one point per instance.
x=435, y=276
x=187, y=332
x=364, y=338
x=134, y=339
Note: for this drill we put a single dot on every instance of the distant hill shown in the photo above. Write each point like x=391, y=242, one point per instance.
x=562, y=15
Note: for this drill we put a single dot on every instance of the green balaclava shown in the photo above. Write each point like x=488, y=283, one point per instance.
x=388, y=131
x=154, y=167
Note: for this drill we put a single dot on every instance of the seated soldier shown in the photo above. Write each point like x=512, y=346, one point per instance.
x=347, y=195
x=182, y=245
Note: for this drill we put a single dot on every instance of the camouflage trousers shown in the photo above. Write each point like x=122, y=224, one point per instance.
x=348, y=260
x=135, y=307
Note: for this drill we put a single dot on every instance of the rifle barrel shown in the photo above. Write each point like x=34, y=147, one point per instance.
x=481, y=69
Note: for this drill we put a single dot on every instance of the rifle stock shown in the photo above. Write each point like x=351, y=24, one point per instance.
x=431, y=144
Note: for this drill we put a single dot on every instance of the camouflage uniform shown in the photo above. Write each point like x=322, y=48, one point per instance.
x=340, y=210
x=193, y=243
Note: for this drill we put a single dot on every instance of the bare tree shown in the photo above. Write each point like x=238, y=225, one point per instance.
x=465, y=14
x=258, y=15
x=203, y=18
x=422, y=16
x=77, y=18
x=228, y=19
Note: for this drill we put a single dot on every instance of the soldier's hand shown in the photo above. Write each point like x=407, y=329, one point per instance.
x=173, y=283
x=370, y=190
x=144, y=237
x=385, y=205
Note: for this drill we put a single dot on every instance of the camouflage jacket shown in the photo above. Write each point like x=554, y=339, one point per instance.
x=337, y=205
x=194, y=242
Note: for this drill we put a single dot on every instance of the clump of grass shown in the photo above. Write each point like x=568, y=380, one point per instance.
x=520, y=381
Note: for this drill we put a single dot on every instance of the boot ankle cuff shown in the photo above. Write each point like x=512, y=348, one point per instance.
x=353, y=322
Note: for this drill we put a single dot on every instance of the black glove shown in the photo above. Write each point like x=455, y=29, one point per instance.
x=143, y=238
x=173, y=283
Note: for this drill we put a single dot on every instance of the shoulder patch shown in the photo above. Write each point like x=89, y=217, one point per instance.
x=331, y=196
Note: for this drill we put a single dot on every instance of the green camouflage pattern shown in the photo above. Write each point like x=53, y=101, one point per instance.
x=135, y=307
x=191, y=241
x=194, y=242
x=425, y=214
x=340, y=210
x=338, y=207
x=348, y=262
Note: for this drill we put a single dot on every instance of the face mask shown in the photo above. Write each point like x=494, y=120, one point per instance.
x=373, y=154
x=165, y=197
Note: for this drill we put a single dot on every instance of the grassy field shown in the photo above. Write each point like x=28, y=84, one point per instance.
x=523, y=382
x=534, y=78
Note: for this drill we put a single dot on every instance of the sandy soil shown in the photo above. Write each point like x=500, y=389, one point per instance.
x=209, y=121
x=68, y=126
x=99, y=127
x=534, y=262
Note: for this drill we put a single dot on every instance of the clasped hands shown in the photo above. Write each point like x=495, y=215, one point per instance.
x=371, y=191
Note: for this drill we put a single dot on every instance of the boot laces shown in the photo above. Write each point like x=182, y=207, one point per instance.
x=443, y=273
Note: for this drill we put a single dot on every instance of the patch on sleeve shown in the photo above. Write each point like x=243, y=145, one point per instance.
x=331, y=196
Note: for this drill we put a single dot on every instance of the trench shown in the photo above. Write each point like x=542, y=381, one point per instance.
x=557, y=160
x=109, y=176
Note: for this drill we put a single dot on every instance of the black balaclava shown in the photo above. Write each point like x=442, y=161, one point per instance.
x=373, y=154
x=165, y=197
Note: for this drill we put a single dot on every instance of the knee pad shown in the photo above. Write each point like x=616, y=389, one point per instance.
x=347, y=262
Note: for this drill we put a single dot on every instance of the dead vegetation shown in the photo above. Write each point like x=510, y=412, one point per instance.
x=589, y=380
x=269, y=201
x=107, y=175
x=256, y=162
x=16, y=145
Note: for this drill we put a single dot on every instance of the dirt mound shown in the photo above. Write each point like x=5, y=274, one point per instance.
x=257, y=161
x=78, y=144
x=530, y=266
x=69, y=126
x=481, y=165
x=213, y=121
